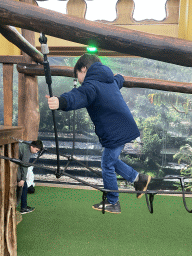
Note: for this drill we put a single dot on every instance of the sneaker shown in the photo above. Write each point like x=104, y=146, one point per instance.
x=112, y=208
x=28, y=209
x=142, y=184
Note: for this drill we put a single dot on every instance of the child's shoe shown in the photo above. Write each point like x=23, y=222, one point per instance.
x=142, y=184
x=112, y=208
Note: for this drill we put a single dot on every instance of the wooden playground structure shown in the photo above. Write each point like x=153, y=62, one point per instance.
x=169, y=40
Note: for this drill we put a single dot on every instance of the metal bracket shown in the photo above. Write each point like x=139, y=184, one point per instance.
x=182, y=182
x=149, y=201
x=104, y=198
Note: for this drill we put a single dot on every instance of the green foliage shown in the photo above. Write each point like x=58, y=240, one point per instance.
x=185, y=155
x=132, y=161
x=168, y=98
x=174, y=100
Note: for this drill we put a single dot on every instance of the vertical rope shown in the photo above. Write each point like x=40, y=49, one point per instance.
x=45, y=51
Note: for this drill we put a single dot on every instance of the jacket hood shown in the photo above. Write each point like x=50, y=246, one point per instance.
x=100, y=72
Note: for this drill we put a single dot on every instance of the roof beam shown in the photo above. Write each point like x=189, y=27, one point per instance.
x=167, y=49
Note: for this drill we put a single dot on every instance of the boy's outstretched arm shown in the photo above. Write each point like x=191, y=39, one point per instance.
x=53, y=102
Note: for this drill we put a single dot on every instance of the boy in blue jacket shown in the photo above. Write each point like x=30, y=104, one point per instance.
x=100, y=94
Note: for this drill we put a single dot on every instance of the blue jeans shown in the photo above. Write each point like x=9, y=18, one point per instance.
x=111, y=165
x=24, y=196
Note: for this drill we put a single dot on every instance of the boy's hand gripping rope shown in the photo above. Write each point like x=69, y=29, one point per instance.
x=45, y=51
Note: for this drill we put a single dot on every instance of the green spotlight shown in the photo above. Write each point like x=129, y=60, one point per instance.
x=92, y=49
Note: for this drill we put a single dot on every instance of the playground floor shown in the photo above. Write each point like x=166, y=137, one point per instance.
x=64, y=223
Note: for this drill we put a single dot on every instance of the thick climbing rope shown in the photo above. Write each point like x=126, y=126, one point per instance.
x=45, y=51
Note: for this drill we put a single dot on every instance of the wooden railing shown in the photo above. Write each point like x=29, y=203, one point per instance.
x=110, y=37
x=8, y=182
x=28, y=121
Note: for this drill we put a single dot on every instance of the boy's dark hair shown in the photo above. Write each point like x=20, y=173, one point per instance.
x=37, y=144
x=86, y=60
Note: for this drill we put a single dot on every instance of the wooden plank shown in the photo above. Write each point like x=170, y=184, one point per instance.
x=38, y=70
x=10, y=223
x=11, y=34
x=28, y=106
x=2, y=187
x=127, y=41
x=130, y=82
x=157, y=84
x=6, y=195
x=11, y=59
x=22, y=99
x=32, y=113
x=78, y=51
x=7, y=132
x=8, y=93
x=76, y=8
x=8, y=182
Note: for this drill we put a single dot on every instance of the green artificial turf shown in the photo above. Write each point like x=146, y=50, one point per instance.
x=64, y=223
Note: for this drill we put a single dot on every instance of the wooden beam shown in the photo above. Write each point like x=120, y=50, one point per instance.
x=7, y=133
x=28, y=106
x=12, y=59
x=167, y=49
x=130, y=82
x=38, y=70
x=12, y=35
x=2, y=202
x=8, y=93
x=157, y=84
x=78, y=51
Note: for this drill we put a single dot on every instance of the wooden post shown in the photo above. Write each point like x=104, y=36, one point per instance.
x=8, y=93
x=8, y=182
x=2, y=202
x=28, y=105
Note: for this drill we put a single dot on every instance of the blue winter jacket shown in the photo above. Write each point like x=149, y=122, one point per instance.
x=100, y=95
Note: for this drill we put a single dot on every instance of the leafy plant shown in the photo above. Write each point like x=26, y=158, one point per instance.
x=185, y=155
